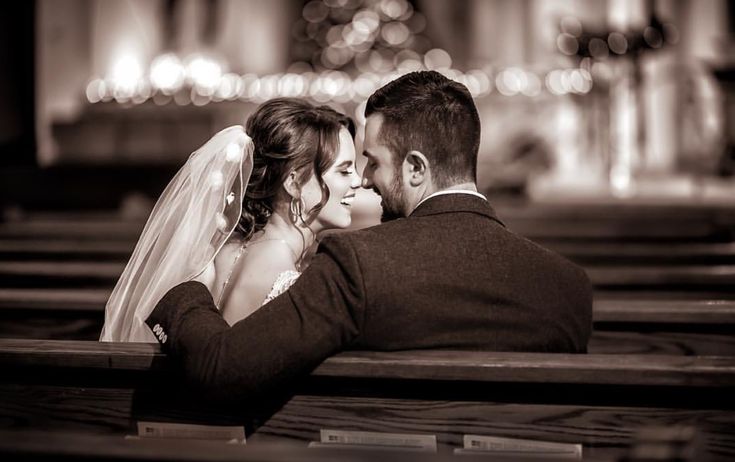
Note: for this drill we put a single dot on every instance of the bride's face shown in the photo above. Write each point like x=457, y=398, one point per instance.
x=342, y=180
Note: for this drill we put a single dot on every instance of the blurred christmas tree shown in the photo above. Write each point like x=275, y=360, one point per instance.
x=360, y=36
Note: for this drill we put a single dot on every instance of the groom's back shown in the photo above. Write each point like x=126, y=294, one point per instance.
x=452, y=276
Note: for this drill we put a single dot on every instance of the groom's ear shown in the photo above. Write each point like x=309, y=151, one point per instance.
x=416, y=167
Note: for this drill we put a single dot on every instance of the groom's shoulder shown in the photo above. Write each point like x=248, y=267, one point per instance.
x=379, y=231
x=375, y=235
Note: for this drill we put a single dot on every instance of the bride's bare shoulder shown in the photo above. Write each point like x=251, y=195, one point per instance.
x=260, y=266
x=268, y=259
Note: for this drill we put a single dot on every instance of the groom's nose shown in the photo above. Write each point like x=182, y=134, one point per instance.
x=367, y=182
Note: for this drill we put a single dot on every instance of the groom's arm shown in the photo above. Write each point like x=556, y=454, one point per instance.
x=289, y=336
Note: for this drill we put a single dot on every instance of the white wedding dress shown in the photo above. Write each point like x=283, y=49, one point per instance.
x=281, y=284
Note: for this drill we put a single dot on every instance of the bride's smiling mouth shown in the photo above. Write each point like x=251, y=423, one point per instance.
x=348, y=200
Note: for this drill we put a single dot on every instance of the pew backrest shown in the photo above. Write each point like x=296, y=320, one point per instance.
x=425, y=365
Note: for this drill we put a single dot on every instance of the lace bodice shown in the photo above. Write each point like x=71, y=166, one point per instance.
x=281, y=284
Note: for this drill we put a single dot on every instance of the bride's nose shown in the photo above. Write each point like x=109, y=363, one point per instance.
x=356, y=181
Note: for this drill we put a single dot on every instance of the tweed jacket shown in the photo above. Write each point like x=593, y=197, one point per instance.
x=449, y=276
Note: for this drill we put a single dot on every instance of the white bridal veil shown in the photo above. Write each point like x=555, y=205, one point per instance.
x=190, y=223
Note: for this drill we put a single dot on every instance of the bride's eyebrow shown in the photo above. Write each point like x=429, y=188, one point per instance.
x=347, y=163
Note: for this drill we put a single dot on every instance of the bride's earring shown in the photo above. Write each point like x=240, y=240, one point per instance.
x=296, y=207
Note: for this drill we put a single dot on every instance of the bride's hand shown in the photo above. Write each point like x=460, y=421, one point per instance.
x=207, y=276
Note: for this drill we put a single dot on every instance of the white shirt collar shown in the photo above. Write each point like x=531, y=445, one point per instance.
x=450, y=191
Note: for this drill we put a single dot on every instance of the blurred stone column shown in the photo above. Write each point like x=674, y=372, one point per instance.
x=63, y=67
x=624, y=120
x=478, y=32
x=626, y=130
x=499, y=31
x=660, y=94
x=245, y=35
x=255, y=35
x=125, y=36
x=703, y=47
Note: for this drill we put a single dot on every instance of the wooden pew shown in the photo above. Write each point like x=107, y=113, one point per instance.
x=623, y=247
x=72, y=229
x=621, y=326
x=65, y=250
x=714, y=278
x=596, y=253
x=583, y=253
x=606, y=310
x=661, y=342
x=682, y=262
x=543, y=222
x=628, y=212
x=599, y=401
x=687, y=312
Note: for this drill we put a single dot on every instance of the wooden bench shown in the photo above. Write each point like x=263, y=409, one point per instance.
x=660, y=342
x=599, y=401
x=580, y=252
x=63, y=250
x=610, y=310
x=621, y=326
x=543, y=222
x=591, y=253
x=717, y=278
x=622, y=222
x=63, y=229
x=620, y=231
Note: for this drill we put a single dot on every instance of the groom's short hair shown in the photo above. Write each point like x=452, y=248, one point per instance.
x=427, y=112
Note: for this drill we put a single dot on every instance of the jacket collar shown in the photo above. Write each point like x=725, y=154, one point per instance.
x=453, y=203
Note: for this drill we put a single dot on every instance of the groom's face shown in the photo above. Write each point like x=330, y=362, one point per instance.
x=381, y=174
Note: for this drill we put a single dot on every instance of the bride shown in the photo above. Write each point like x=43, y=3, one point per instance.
x=241, y=215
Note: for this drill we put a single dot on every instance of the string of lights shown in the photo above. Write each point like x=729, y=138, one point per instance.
x=342, y=51
x=171, y=82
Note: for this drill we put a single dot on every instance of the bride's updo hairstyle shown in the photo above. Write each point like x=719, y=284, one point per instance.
x=289, y=135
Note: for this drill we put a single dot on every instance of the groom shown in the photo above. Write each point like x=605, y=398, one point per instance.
x=445, y=273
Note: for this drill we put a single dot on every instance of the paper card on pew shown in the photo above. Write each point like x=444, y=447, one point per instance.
x=403, y=441
x=474, y=444
x=228, y=433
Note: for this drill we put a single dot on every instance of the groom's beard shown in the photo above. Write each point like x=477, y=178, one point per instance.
x=393, y=201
